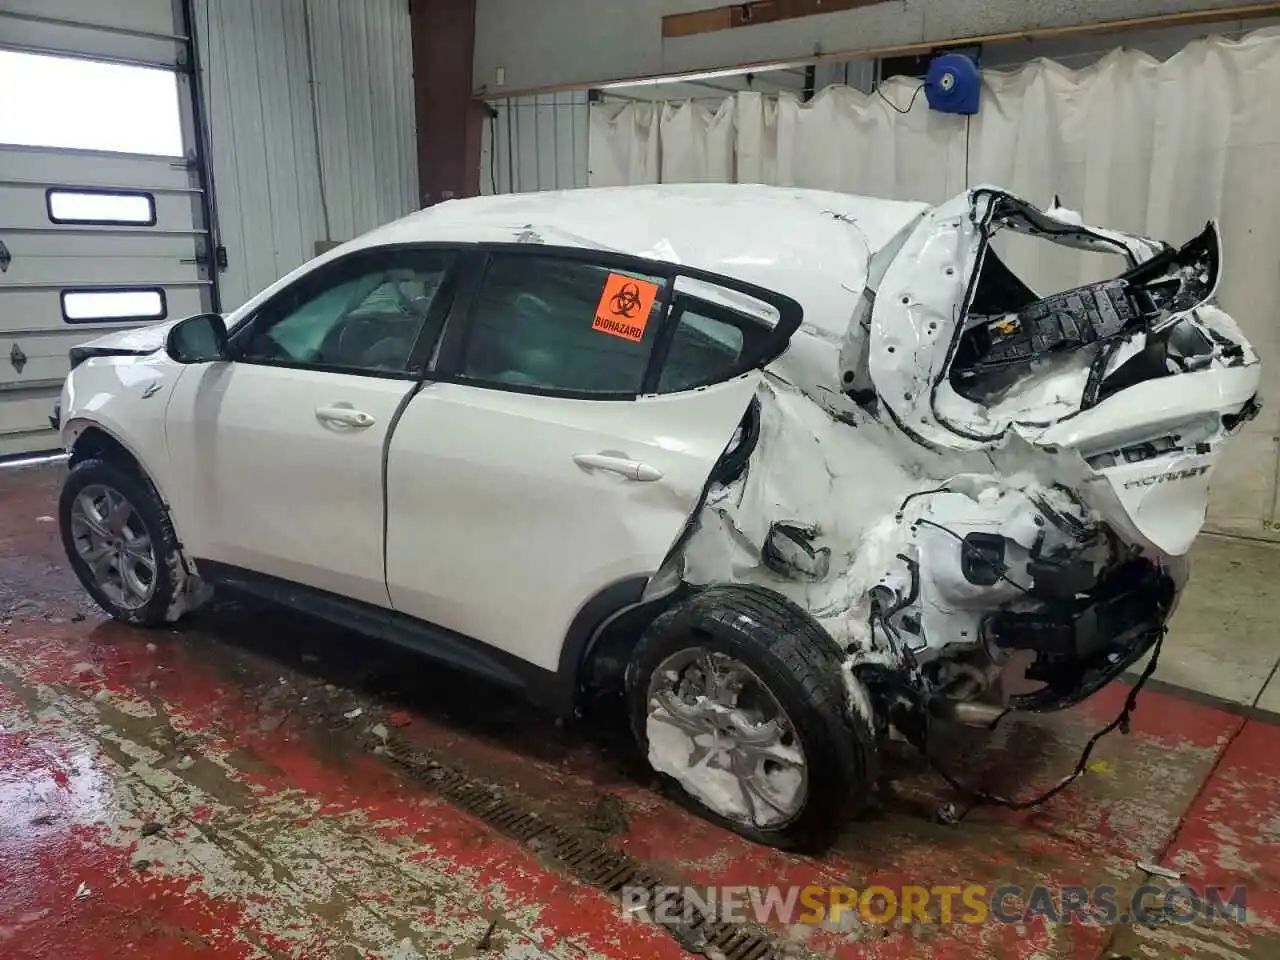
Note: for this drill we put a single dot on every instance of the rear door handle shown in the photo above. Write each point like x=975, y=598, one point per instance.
x=345, y=416
x=631, y=469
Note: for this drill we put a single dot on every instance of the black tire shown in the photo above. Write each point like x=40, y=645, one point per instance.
x=800, y=664
x=150, y=510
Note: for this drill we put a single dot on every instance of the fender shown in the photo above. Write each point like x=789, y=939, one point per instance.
x=75, y=429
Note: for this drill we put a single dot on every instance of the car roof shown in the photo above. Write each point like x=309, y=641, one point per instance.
x=707, y=225
x=811, y=245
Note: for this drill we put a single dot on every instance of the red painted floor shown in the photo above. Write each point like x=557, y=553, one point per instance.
x=212, y=792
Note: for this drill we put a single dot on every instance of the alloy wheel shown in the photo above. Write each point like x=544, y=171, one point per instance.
x=717, y=729
x=110, y=538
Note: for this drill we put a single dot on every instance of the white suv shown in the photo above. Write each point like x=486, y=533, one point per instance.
x=795, y=468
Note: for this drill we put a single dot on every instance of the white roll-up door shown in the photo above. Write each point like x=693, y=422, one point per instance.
x=102, y=204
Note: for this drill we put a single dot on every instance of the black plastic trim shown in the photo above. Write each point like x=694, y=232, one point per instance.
x=544, y=687
x=585, y=627
x=208, y=196
x=82, y=352
x=553, y=690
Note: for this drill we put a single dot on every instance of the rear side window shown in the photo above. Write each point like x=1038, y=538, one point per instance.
x=553, y=324
x=717, y=333
x=709, y=344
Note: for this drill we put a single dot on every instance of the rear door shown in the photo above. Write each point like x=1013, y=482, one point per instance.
x=102, y=204
x=577, y=410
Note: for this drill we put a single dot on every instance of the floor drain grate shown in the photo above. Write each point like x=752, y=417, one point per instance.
x=589, y=860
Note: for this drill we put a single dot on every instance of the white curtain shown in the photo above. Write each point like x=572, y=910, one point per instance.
x=697, y=143
x=1131, y=142
x=622, y=144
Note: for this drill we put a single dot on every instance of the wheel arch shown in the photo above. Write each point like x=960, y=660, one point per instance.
x=89, y=439
x=605, y=628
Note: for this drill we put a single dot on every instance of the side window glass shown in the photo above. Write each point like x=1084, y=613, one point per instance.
x=704, y=349
x=718, y=334
x=560, y=325
x=367, y=318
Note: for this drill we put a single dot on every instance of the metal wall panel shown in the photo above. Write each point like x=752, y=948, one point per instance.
x=312, y=127
x=138, y=31
x=541, y=144
x=72, y=100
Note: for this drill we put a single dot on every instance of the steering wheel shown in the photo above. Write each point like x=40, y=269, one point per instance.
x=354, y=337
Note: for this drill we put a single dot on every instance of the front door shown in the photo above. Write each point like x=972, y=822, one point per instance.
x=280, y=450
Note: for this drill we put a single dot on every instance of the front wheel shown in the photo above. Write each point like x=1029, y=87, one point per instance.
x=119, y=541
x=737, y=700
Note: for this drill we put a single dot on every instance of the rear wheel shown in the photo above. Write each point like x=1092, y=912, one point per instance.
x=737, y=701
x=119, y=541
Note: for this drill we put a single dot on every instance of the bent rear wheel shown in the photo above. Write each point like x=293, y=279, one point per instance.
x=737, y=701
x=713, y=725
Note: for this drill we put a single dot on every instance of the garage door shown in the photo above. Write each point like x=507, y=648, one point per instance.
x=102, y=202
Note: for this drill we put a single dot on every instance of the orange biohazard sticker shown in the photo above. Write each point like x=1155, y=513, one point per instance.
x=624, y=307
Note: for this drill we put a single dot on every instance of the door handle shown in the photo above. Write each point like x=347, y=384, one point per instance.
x=631, y=469
x=344, y=416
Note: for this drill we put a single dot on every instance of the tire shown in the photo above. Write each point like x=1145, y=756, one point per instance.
x=149, y=517
x=788, y=653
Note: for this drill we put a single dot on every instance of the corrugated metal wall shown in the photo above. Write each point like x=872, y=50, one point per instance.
x=312, y=127
x=541, y=144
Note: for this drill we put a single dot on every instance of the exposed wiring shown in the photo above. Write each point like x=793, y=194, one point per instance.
x=973, y=551
x=910, y=103
x=999, y=716
x=914, y=592
x=900, y=649
x=902, y=507
x=980, y=798
x=881, y=616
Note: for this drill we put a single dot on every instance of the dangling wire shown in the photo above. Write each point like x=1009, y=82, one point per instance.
x=910, y=104
x=980, y=798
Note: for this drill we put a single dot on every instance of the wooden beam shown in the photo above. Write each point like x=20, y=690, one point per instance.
x=449, y=121
x=1251, y=11
x=700, y=21
x=752, y=13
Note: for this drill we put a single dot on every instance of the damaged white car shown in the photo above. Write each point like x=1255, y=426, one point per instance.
x=797, y=469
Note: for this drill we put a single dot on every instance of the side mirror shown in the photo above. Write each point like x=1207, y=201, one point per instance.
x=198, y=339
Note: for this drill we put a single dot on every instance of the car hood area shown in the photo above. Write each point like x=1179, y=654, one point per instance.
x=140, y=341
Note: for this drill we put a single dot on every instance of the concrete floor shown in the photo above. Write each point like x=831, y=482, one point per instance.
x=255, y=785
x=1224, y=640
